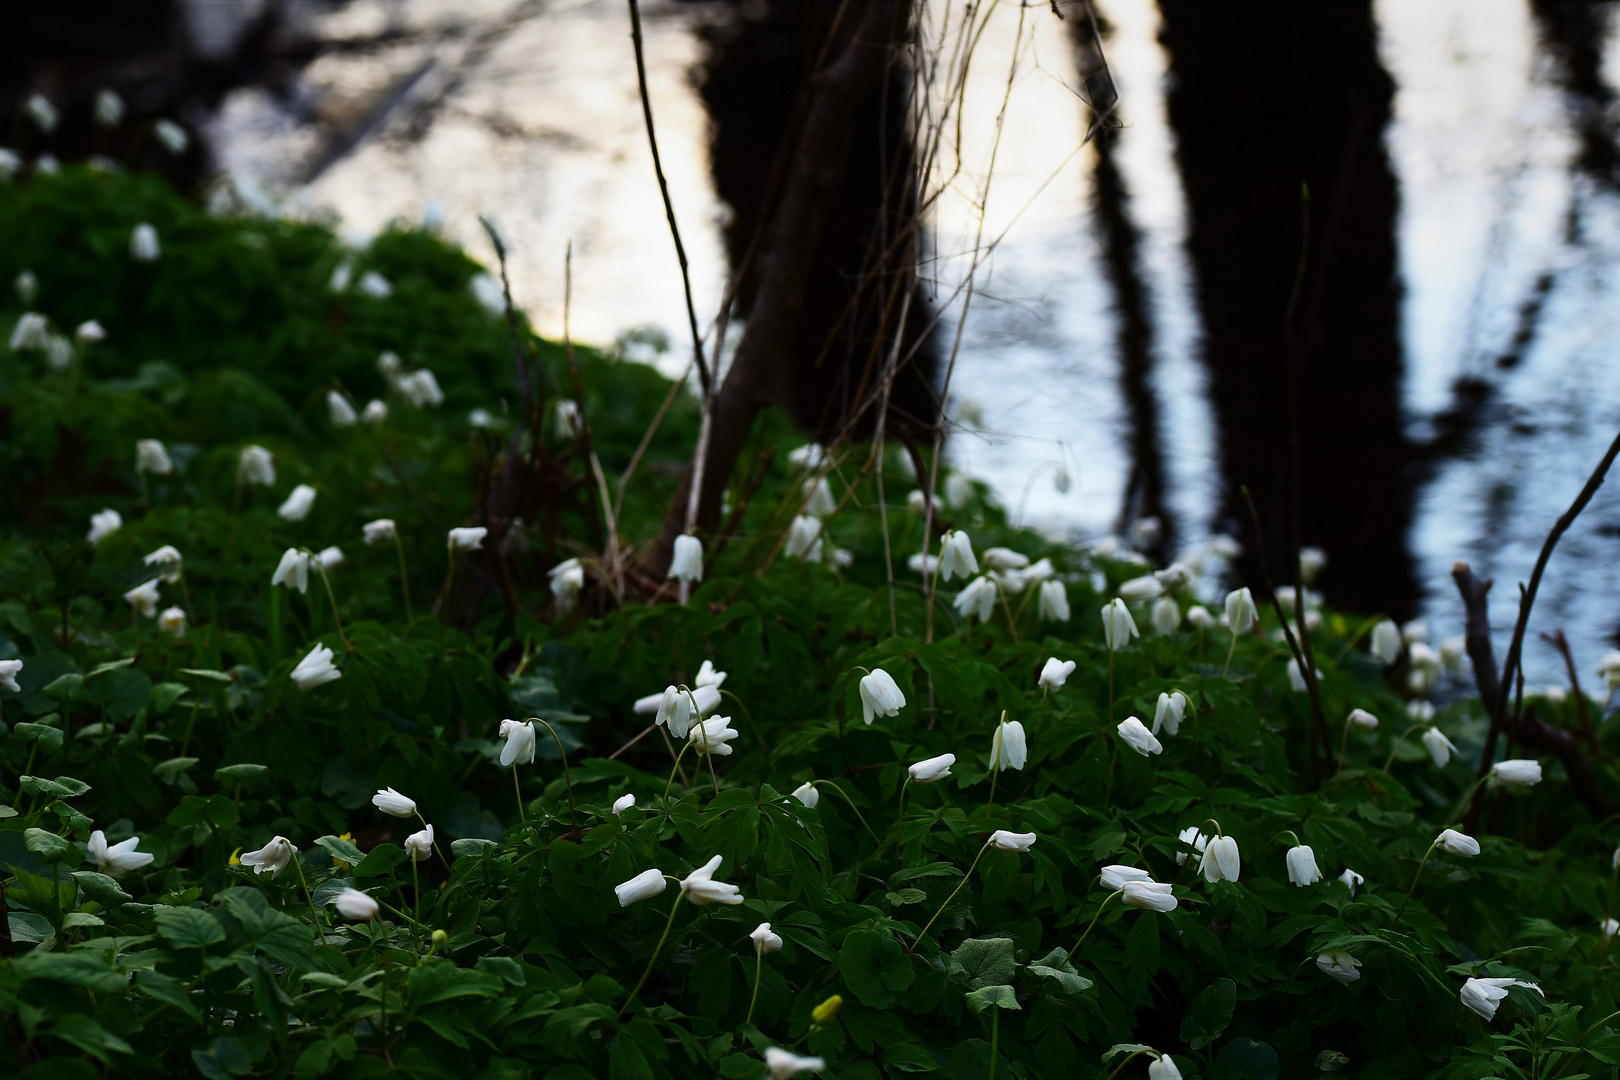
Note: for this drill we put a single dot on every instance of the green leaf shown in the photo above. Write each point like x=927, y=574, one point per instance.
x=101, y=888
x=1003, y=997
x=110, y=665
x=165, y=694
x=29, y=926
x=168, y=989
x=75, y=919
x=1331, y=1061
x=1208, y=1014
x=65, y=687
x=222, y=1059
x=1056, y=965
x=504, y=967
x=82, y=968
x=205, y=673
x=339, y=848
x=189, y=927
x=47, y=845
x=1123, y=1048
x=908, y=1057
x=1245, y=1059
x=168, y=770
x=470, y=845
x=48, y=737
x=983, y=962
x=234, y=774
x=874, y=967
x=906, y=896
x=63, y=787
x=380, y=860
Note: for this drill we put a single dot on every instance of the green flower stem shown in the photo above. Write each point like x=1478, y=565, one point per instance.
x=1391, y=759
x=1132, y=1056
x=948, y=899
x=901, y=816
x=1230, y=652
x=1110, y=686
x=653, y=959
x=416, y=894
x=1344, y=741
x=330, y=595
x=852, y=806
x=523, y=815
x=995, y=1038
x=404, y=577
x=1468, y=798
x=671, y=782
x=1012, y=628
x=759, y=971
x=1087, y=931
x=763, y=748
x=995, y=773
x=1408, y=898
x=568, y=776
x=298, y=864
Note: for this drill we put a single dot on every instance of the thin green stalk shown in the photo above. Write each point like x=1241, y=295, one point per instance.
x=759, y=970
x=948, y=899
x=901, y=816
x=1132, y=1056
x=1230, y=652
x=1012, y=624
x=404, y=577
x=1110, y=686
x=1344, y=741
x=416, y=893
x=299, y=866
x=568, y=776
x=330, y=595
x=852, y=806
x=1090, y=924
x=671, y=782
x=995, y=772
x=1408, y=898
x=523, y=815
x=673, y=908
x=1391, y=759
x=995, y=1038
x=753, y=727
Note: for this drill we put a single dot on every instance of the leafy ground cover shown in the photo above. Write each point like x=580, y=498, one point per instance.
x=455, y=847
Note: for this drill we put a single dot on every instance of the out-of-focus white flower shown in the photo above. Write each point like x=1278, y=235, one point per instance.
x=329, y=558
x=808, y=794
x=419, y=845
x=342, y=275
x=808, y=456
x=1420, y=711
x=959, y=489
x=1171, y=709
x=469, y=538
x=1221, y=861
x=1003, y=840
x=172, y=621
x=520, y=742
x=421, y=389
x=1240, y=610
x=956, y=556
x=316, y=669
x=930, y=769
x=1417, y=630
x=1145, y=532
x=1311, y=562
x=144, y=599
x=922, y=564
x=1351, y=879
x=293, y=570
x=1385, y=642
x=916, y=501
x=375, y=412
x=1296, y=679
x=644, y=886
x=488, y=292
x=1609, y=668
x=1454, y=655
x=1055, y=673
x=47, y=165
x=1439, y=747
x=1166, y=616
x=1339, y=966
x=1484, y=996
x=784, y=1064
x=1118, y=626
x=818, y=497
x=27, y=286
x=58, y=352
x=567, y=579
x=31, y=332
x=880, y=695
x=711, y=736
x=764, y=940
x=803, y=536
x=42, y=113
x=701, y=889
x=1517, y=773
x=339, y=409
x=1608, y=928
x=298, y=504
x=1114, y=877
x=393, y=803
x=109, y=108
x=153, y=457
x=271, y=859
x=1009, y=749
x=565, y=417
x=10, y=668
x=375, y=285
x=117, y=858
x=171, y=136
x=1140, y=590
x=1000, y=558
x=1041, y=570
x=1362, y=720
x=379, y=531
x=1053, y=603
x=1138, y=737
x=1200, y=617
x=1191, y=836
x=1555, y=695
x=1302, y=868
x=977, y=599
x=143, y=244
x=1455, y=843
x=256, y=466
x=10, y=164
x=1150, y=895
x=686, y=564
x=355, y=905
x=103, y=524
x=90, y=332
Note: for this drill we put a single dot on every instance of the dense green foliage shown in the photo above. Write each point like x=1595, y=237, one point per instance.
x=506, y=953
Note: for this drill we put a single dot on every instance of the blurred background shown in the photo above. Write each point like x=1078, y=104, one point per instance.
x=1454, y=328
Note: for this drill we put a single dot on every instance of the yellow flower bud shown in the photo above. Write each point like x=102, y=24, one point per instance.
x=441, y=940
x=824, y=1014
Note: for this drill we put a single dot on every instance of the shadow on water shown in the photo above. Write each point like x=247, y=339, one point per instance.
x=1268, y=95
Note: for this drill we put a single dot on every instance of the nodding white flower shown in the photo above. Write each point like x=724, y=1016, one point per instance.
x=1420, y=711
x=1311, y=562
x=339, y=409
x=959, y=490
x=818, y=497
x=644, y=886
x=42, y=113
x=956, y=557
x=298, y=504
x=118, y=857
x=1054, y=601
x=143, y=244
x=1166, y=616
x=1012, y=841
x=701, y=889
x=1008, y=748
x=807, y=794
x=355, y=905
x=784, y=1064
x=1011, y=582
x=1484, y=996
x=1455, y=843
x=1296, y=681
x=166, y=560
x=675, y=708
x=567, y=579
x=1221, y=861
x=469, y=538
x=1114, y=877
x=1240, y=610
x=922, y=564
x=1171, y=710
x=293, y=570
x=1118, y=626
x=711, y=736
x=623, y=803
x=172, y=621
x=271, y=859
x=375, y=285
x=1193, y=838
x=256, y=466
x=1439, y=747
x=1351, y=879
x=1140, y=590
x=930, y=769
x=1416, y=631
x=153, y=457
x=1138, y=737
x=8, y=677
x=1517, y=772
x=1362, y=720
x=808, y=456
x=1055, y=673
x=1163, y=1068
x=392, y=802
x=1453, y=655
x=342, y=274
x=58, y=352
x=1608, y=928
x=31, y=332
x=109, y=108
x=329, y=558
x=1385, y=642
x=316, y=669
x=10, y=163
x=764, y=940
x=421, y=389
x=977, y=599
x=171, y=136
x=880, y=696
x=686, y=564
x=565, y=417
x=1039, y=571
x=1339, y=966
x=419, y=845
x=1200, y=617
x=144, y=598
x=103, y=524
x=375, y=412
x=803, y=535
x=1152, y=895
x=1302, y=868
x=521, y=742
x=916, y=501
x=1000, y=558
x=390, y=367
x=379, y=531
